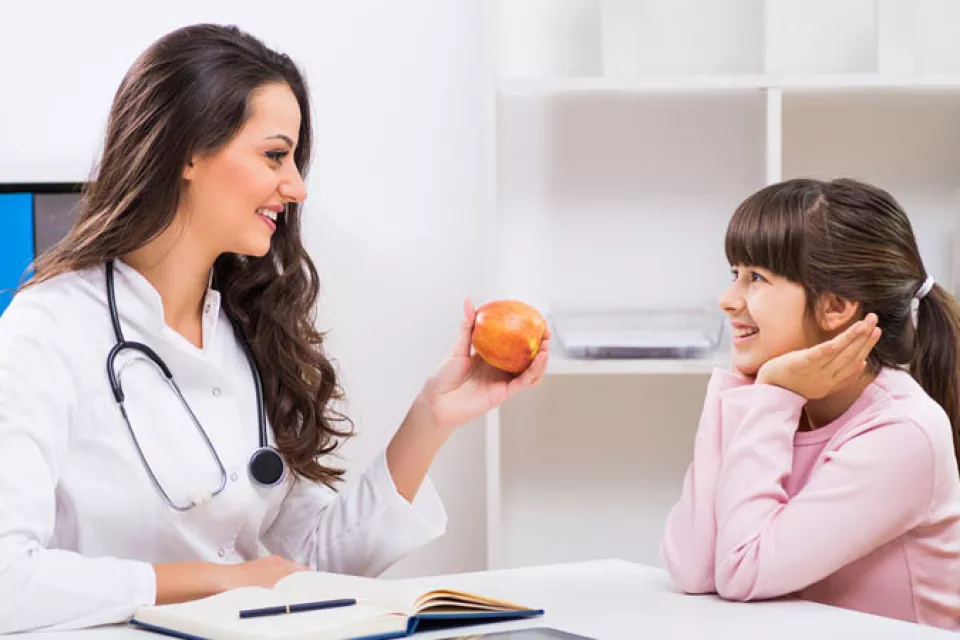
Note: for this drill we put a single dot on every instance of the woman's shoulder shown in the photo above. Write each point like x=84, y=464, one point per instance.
x=52, y=307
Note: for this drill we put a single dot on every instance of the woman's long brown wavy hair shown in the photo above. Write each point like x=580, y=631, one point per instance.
x=854, y=240
x=188, y=94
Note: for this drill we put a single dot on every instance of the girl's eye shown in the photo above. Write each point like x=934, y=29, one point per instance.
x=755, y=276
x=277, y=156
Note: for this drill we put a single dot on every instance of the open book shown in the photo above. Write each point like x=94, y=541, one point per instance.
x=383, y=610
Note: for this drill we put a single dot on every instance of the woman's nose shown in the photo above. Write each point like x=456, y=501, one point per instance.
x=293, y=188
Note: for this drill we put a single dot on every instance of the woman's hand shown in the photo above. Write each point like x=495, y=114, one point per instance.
x=465, y=387
x=183, y=581
x=820, y=370
x=262, y=572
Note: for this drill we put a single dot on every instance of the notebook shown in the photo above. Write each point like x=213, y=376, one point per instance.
x=384, y=610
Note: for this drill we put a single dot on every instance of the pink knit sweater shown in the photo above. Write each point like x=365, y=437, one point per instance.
x=863, y=513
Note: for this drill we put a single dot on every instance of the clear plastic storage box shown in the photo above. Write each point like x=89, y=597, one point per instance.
x=639, y=333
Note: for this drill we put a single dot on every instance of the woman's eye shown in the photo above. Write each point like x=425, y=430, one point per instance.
x=756, y=277
x=277, y=156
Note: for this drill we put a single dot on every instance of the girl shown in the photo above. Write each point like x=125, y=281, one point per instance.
x=825, y=467
x=165, y=400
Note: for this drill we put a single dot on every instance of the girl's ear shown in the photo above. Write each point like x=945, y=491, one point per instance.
x=835, y=313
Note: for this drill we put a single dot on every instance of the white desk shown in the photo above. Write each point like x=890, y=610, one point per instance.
x=618, y=600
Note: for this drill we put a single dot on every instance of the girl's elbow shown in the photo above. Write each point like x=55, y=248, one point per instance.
x=690, y=580
x=734, y=590
x=694, y=585
x=743, y=583
x=736, y=580
x=689, y=571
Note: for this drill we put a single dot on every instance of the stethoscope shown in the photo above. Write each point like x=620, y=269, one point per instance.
x=266, y=466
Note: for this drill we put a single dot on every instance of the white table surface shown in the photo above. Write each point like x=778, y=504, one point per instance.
x=620, y=600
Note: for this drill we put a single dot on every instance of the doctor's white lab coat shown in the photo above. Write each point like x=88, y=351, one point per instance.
x=80, y=520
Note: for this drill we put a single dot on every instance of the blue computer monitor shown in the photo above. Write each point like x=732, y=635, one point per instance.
x=34, y=217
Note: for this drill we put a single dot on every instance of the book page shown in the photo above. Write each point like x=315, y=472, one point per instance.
x=309, y=586
x=451, y=600
x=218, y=617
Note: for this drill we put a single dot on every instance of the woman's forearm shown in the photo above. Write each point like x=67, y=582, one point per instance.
x=182, y=581
x=413, y=448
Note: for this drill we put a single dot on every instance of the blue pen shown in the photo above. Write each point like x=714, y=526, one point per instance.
x=293, y=608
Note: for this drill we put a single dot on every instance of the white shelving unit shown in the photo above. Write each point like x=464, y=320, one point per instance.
x=623, y=133
x=560, y=364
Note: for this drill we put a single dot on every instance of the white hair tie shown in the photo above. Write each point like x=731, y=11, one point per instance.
x=925, y=288
x=921, y=293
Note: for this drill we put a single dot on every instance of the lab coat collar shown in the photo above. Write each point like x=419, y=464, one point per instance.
x=148, y=305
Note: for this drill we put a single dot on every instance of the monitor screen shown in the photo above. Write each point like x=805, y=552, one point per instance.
x=34, y=217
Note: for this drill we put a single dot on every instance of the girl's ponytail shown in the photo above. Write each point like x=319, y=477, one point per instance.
x=936, y=355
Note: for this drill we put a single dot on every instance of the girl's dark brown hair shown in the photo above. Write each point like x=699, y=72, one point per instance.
x=854, y=240
x=189, y=93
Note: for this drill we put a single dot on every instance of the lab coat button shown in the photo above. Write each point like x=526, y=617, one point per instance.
x=222, y=552
x=216, y=392
x=233, y=476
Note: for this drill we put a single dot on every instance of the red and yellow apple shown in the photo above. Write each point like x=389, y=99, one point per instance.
x=507, y=334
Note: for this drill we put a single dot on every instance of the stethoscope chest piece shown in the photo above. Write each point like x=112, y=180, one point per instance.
x=266, y=467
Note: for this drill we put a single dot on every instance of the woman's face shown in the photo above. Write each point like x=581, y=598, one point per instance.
x=236, y=196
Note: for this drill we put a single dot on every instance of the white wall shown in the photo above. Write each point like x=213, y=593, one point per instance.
x=394, y=210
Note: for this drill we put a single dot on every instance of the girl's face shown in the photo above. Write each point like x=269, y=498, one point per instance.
x=237, y=195
x=768, y=316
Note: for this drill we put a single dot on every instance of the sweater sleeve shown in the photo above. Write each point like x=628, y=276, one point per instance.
x=690, y=534
x=876, y=486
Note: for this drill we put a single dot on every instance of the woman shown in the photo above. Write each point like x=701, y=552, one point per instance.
x=192, y=462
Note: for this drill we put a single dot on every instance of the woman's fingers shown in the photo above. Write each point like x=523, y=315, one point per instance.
x=537, y=369
x=465, y=338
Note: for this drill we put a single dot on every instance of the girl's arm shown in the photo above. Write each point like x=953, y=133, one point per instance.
x=690, y=534
x=875, y=487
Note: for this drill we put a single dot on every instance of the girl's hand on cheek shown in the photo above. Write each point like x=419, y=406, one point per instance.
x=820, y=370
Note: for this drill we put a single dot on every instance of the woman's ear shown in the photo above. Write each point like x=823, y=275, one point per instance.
x=188, y=170
x=835, y=313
